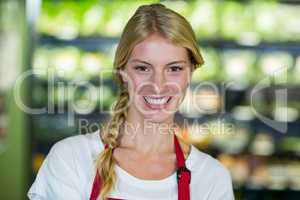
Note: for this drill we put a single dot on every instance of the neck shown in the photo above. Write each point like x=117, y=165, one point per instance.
x=147, y=137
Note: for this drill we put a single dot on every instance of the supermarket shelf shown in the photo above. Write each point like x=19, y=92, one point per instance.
x=98, y=43
x=255, y=125
x=53, y=128
x=232, y=97
x=293, y=91
x=294, y=2
x=282, y=155
x=95, y=82
x=50, y=128
x=253, y=194
x=85, y=43
x=293, y=47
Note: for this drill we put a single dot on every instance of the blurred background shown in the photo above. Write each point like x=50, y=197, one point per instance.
x=247, y=93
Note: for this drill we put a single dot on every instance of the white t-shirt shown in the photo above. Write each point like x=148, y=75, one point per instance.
x=68, y=173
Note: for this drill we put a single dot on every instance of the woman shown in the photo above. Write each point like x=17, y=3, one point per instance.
x=138, y=154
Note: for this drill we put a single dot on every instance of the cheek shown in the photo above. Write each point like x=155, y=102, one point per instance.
x=179, y=84
x=136, y=84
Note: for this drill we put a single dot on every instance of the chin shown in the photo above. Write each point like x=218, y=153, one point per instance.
x=158, y=118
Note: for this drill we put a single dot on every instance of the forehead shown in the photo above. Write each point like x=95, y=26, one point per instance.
x=157, y=49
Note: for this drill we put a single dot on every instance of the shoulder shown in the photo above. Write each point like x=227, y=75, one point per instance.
x=206, y=163
x=76, y=140
x=89, y=142
x=66, y=168
x=198, y=160
x=212, y=175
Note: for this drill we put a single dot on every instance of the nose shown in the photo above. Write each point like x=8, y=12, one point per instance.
x=159, y=80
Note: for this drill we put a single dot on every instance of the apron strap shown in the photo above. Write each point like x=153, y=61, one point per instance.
x=183, y=176
x=183, y=173
x=96, y=187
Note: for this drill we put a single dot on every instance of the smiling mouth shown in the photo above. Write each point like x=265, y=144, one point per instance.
x=154, y=100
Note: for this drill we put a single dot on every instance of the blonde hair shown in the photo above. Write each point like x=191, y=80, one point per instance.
x=148, y=19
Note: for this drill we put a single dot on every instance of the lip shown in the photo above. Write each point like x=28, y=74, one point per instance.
x=156, y=96
x=157, y=106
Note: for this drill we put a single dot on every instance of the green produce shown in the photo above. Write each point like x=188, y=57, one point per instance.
x=40, y=63
x=204, y=18
x=65, y=62
x=182, y=7
x=85, y=99
x=211, y=70
x=266, y=19
x=39, y=96
x=277, y=66
x=90, y=65
x=289, y=22
x=262, y=144
x=239, y=66
x=106, y=96
x=236, y=20
x=277, y=22
x=117, y=13
x=296, y=71
x=60, y=96
x=92, y=21
x=61, y=19
x=290, y=144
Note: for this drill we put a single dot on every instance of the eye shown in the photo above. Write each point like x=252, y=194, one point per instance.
x=175, y=68
x=141, y=68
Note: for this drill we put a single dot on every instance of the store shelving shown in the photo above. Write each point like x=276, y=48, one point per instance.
x=251, y=48
x=85, y=43
x=104, y=43
x=267, y=194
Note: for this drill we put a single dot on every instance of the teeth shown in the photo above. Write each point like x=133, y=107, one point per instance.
x=156, y=100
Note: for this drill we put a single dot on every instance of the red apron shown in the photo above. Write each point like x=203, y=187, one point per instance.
x=183, y=177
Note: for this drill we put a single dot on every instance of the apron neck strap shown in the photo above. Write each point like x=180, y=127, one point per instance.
x=179, y=153
x=183, y=173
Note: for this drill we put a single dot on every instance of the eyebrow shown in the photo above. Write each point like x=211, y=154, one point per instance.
x=170, y=63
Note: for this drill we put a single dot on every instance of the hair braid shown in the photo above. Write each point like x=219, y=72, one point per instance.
x=105, y=162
